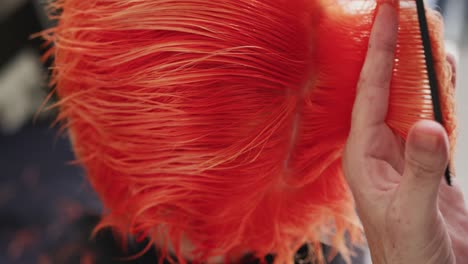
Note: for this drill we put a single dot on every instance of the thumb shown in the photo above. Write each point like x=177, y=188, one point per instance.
x=426, y=158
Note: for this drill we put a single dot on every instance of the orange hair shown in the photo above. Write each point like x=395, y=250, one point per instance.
x=223, y=122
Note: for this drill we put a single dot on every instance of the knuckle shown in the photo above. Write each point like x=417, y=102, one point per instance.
x=386, y=46
x=372, y=83
x=436, y=15
x=421, y=166
x=362, y=86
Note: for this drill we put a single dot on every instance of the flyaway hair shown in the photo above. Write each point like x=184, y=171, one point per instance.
x=223, y=122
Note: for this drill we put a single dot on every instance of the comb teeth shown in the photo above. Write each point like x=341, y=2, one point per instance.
x=431, y=72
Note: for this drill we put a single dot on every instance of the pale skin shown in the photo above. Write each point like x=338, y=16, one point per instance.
x=409, y=214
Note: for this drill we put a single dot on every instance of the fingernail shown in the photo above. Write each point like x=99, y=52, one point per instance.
x=426, y=143
x=388, y=15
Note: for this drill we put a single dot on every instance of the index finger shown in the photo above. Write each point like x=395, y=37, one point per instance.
x=371, y=104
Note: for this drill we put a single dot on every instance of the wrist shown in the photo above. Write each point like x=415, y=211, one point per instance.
x=430, y=246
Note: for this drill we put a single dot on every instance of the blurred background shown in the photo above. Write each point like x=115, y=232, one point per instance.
x=47, y=209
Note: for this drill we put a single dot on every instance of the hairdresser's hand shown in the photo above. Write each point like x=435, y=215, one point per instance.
x=408, y=217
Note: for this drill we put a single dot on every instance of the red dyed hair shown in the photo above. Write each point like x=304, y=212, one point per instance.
x=223, y=122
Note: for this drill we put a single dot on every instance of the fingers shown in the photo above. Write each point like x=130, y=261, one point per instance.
x=452, y=201
x=453, y=65
x=371, y=103
x=427, y=154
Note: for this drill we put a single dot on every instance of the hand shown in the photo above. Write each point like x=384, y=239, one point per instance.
x=408, y=217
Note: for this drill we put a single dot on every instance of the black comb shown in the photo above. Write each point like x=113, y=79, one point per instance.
x=424, y=28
